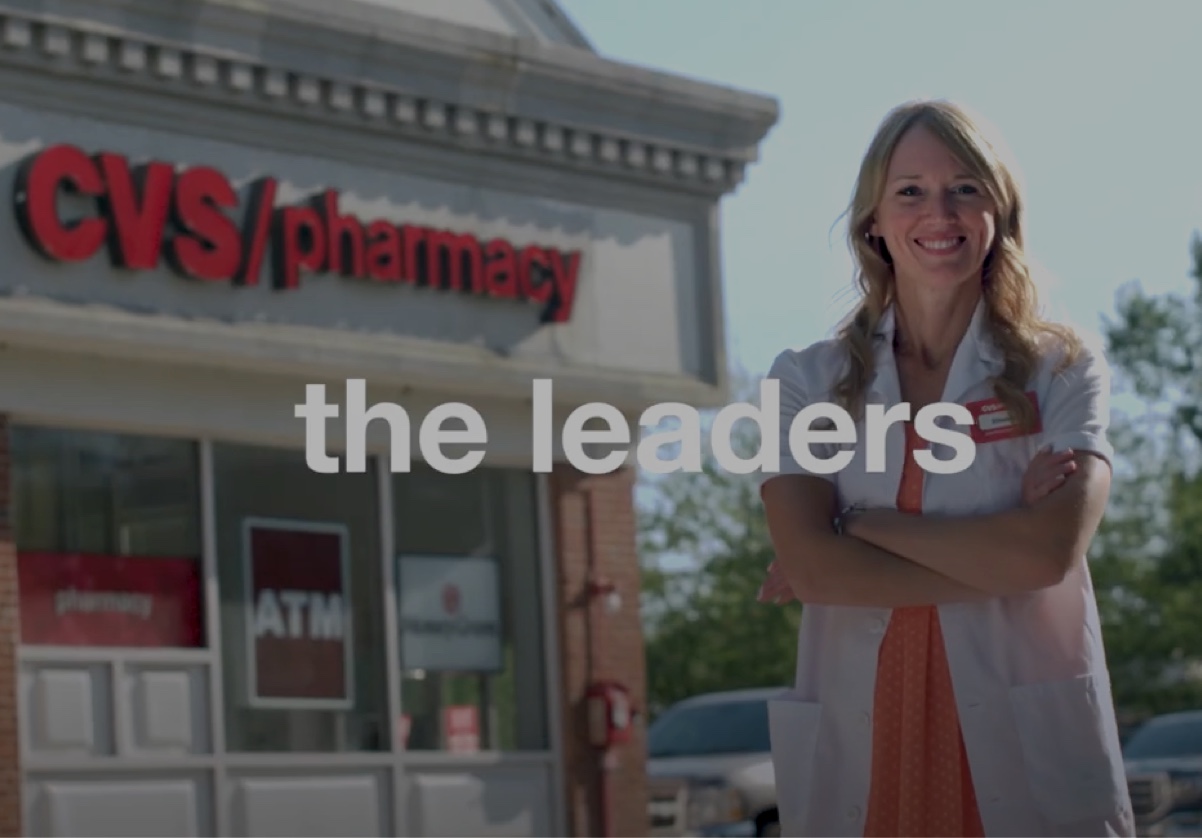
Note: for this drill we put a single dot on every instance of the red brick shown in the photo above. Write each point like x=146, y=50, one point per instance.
x=594, y=520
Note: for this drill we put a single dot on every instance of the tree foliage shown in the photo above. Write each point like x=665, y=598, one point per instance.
x=705, y=551
x=1147, y=560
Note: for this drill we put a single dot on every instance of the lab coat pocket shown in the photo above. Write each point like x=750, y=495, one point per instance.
x=793, y=728
x=1064, y=729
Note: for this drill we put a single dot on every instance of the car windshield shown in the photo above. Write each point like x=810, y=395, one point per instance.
x=719, y=727
x=1166, y=738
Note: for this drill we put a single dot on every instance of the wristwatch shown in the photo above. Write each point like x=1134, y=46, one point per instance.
x=842, y=516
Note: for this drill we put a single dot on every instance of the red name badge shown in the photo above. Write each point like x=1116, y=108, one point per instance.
x=991, y=422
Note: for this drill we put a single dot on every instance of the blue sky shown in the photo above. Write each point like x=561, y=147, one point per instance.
x=1099, y=101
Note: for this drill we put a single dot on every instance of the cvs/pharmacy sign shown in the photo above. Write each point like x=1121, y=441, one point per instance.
x=192, y=218
x=298, y=614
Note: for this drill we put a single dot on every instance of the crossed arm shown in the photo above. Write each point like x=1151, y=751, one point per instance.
x=1010, y=552
x=885, y=558
x=824, y=568
x=889, y=559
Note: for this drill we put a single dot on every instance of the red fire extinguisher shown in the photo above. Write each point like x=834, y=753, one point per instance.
x=610, y=716
x=610, y=723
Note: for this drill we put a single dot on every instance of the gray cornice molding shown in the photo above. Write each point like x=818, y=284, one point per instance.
x=325, y=355
x=422, y=78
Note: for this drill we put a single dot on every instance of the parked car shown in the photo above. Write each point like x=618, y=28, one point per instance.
x=1164, y=774
x=710, y=770
x=710, y=767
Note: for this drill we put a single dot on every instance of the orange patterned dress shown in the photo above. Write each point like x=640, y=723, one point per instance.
x=921, y=783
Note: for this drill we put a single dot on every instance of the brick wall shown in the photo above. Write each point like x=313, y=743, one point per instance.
x=594, y=522
x=10, y=773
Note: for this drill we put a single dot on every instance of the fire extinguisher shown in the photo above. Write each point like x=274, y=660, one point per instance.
x=610, y=716
x=610, y=723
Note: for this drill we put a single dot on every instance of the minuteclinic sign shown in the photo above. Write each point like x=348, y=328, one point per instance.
x=192, y=219
x=450, y=613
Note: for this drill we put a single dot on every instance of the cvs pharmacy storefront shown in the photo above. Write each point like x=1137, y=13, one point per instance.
x=206, y=629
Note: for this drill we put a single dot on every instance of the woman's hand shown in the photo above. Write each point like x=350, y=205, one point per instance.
x=775, y=590
x=1046, y=473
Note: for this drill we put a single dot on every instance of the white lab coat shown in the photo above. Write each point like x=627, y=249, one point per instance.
x=1029, y=671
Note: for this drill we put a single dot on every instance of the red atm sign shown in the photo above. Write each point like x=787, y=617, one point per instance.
x=156, y=211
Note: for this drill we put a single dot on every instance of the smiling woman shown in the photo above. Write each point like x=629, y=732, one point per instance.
x=951, y=679
x=935, y=217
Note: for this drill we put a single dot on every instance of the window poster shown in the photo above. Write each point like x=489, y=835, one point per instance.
x=93, y=599
x=298, y=614
x=450, y=613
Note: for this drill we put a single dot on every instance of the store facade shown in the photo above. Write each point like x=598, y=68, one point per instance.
x=206, y=626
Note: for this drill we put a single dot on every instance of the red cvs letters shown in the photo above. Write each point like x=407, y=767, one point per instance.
x=157, y=212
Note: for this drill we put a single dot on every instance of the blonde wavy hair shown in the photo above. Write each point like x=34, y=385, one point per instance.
x=1009, y=290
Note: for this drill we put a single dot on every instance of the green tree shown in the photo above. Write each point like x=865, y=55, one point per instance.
x=1147, y=559
x=705, y=550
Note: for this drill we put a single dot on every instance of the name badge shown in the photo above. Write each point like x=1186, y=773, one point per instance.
x=991, y=422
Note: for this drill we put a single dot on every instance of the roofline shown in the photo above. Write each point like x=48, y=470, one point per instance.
x=565, y=22
x=581, y=68
x=378, y=69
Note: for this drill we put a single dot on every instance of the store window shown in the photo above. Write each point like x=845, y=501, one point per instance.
x=302, y=625
x=107, y=530
x=470, y=610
